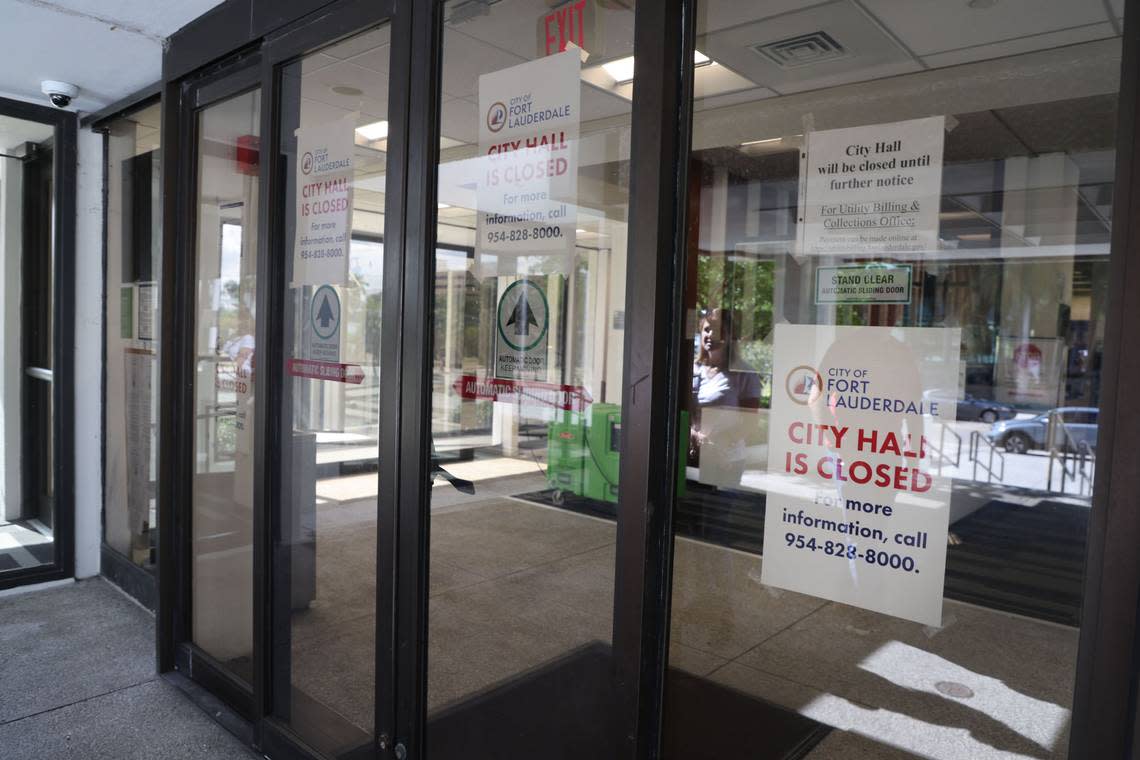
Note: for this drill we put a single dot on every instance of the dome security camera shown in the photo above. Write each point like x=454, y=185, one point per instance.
x=59, y=93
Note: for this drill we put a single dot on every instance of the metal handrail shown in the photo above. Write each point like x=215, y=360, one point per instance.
x=976, y=439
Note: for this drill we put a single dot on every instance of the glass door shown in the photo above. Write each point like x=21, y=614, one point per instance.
x=27, y=314
x=527, y=373
x=331, y=155
x=227, y=136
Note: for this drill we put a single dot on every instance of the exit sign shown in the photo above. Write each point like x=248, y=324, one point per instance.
x=574, y=23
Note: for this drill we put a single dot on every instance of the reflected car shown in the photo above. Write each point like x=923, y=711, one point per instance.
x=973, y=409
x=1019, y=436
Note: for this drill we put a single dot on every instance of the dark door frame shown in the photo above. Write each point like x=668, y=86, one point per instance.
x=1105, y=704
x=257, y=66
x=65, y=126
x=240, y=74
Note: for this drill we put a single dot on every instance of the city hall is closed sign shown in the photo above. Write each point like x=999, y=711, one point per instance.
x=856, y=512
x=528, y=175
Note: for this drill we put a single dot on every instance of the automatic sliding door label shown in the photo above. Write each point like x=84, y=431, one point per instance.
x=324, y=202
x=863, y=284
x=528, y=175
x=856, y=513
x=873, y=190
x=522, y=330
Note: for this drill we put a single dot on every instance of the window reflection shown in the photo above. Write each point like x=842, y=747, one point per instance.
x=1015, y=265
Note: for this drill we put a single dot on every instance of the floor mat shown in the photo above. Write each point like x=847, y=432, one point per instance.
x=1011, y=557
x=567, y=709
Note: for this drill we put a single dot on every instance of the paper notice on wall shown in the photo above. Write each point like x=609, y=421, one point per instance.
x=856, y=511
x=873, y=190
x=147, y=304
x=528, y=175
x=323, y=210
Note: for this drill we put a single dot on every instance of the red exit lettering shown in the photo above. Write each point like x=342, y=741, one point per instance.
x=565, y=25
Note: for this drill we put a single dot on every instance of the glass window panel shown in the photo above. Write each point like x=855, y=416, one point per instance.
x=968, y=273
x=225, y=381
x=530, y=279
x=334, y=152
x=134, y=256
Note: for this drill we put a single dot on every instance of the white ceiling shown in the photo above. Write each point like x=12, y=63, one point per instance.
x=886, y=37
x=109, y=48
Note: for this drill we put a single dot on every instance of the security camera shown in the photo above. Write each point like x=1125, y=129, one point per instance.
x=59, y=93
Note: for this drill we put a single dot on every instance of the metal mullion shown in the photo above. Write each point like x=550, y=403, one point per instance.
x=388, y=471
x=176, y=362
x=406, y=346
x=391, y=349
x=63, y=331
x=663, y=43
x=1105, y=719
x=169, y=372
x=267, y=443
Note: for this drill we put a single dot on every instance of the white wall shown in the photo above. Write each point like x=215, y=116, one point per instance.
x=88, y=353
x=11, y=359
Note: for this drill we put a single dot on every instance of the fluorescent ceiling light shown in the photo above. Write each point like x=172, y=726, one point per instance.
x=765, y=141
x=377, y=130
x=622, y=69
x=443, y=205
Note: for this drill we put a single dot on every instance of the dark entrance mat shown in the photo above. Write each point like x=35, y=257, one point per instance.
x=567, y=709
x=1005, y=556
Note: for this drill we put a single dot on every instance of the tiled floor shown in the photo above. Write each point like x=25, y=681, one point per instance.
x=21, y=546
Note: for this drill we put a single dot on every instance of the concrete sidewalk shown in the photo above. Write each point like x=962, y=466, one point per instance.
x=77, y=680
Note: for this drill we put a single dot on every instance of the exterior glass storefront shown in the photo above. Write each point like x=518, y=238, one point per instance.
x=515, y=410
x=985, y=274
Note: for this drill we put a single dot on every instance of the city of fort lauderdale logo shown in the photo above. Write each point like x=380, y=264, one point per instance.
x=496, y=116
x=803, y=384
x=307, y=163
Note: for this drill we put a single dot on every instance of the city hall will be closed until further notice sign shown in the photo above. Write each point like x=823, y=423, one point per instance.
x=857, y=512
x=873, y=190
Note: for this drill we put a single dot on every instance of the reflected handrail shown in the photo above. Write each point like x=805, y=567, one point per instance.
x=976, y=439
x=1077, y=458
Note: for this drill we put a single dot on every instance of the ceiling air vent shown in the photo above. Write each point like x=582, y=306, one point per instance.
x=802, y=50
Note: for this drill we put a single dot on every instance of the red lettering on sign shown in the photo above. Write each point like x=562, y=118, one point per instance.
x=565, y=25
x=570, y=398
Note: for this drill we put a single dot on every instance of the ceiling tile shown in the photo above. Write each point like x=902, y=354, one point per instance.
x=1020, y=45
x=932, y=26
x=860, y=49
